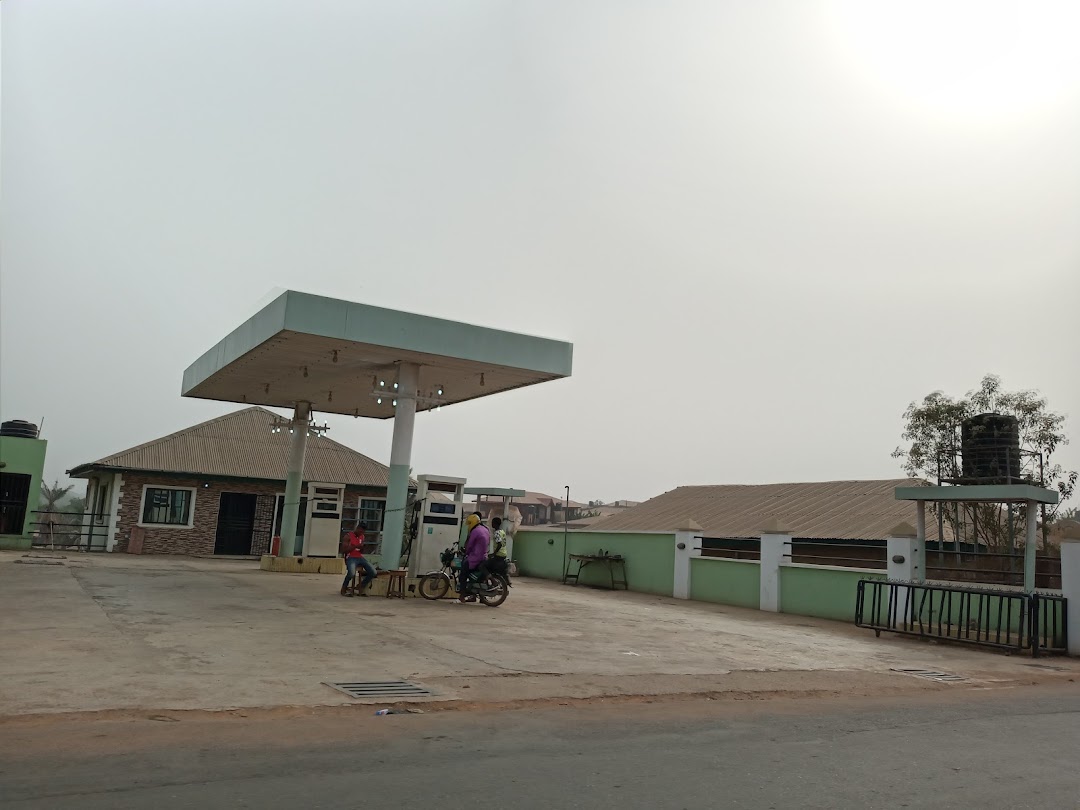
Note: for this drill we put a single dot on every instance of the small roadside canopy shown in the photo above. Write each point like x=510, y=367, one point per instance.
x=495, y=492
x=333, y=354
x=1029, y=495
x=506, y=494
x=313, y=353
x=979, y=493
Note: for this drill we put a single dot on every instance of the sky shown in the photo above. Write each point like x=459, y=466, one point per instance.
x=766, y=227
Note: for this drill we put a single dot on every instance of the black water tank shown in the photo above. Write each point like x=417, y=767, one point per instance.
x=19, y=428
x=990, y=449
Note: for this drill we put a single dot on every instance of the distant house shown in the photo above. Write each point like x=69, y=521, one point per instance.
x=535, y=509
x=218, y=488
x=828, y=510
x=587, y=517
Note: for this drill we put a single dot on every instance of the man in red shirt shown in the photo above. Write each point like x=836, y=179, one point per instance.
x=353, y=546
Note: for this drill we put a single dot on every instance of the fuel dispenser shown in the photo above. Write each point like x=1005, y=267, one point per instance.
x=323, y=524
x=439, y=520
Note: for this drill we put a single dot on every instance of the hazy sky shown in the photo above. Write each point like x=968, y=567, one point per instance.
x=765, y=226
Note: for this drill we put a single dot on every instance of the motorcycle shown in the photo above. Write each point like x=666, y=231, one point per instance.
x=491, y=589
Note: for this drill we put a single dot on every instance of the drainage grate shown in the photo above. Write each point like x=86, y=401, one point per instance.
x=379, y=689
x=930, y=675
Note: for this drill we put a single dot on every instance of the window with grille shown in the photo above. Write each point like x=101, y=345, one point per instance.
x=14, y=495
x=101, y=500
x=163, y=506
x=371, y=512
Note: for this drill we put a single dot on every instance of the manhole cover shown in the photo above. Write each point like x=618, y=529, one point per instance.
x=930, y=675
x=379, y=689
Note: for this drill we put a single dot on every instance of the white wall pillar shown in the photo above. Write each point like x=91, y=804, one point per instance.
x=903, y=563
x=1030, y=546
x=902, y=551
x=775, y=551
x=1070, y=582
x=114, y=510
x=687, y=541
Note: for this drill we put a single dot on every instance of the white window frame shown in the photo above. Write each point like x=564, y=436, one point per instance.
x=101, y=505
x=378, y=532
x=191, y=511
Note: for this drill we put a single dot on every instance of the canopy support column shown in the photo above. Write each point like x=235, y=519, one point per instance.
x=397, y=494
x=294, y=478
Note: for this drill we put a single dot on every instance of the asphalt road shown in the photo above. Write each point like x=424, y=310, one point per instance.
x=986, y=749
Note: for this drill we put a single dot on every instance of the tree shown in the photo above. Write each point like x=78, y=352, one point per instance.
x=53, y=496
x=60, y=522
x=931, y=435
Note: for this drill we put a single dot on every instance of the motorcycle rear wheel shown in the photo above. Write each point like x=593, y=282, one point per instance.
x=435, y=586
x=496, y=590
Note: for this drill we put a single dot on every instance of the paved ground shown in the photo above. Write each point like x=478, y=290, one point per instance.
x=988, y=749
x=116, y=632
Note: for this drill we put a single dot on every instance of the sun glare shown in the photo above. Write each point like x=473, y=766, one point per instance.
x=969, y=59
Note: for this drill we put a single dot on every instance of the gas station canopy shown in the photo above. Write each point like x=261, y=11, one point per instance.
x=341, y=356
x=311, y=353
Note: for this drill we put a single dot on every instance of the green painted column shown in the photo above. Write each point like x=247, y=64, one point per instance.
x=290, y=512
x=1030, y=546
x=397, y=493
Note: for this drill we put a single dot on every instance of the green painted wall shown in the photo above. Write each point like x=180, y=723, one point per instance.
x=828, y=593
x=823, y=592
x=650, y=558
x=24, y=457
x=535, y=557
x=729, y=582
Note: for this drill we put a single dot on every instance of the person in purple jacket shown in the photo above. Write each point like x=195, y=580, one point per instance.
x=476, y=551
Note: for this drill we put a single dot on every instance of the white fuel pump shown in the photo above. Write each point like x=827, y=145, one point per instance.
x=323, y=523
x=439, y=519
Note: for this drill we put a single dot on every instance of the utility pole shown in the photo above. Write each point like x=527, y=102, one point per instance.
x=565, y=529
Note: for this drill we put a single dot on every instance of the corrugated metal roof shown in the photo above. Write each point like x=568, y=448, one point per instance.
x=538, y=499
x=241, y=445
x=833, y=510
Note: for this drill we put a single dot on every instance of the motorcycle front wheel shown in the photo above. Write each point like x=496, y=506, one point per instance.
x=435, y=586
x=494, y=591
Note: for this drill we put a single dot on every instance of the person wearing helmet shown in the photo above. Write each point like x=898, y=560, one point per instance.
x=476, y=550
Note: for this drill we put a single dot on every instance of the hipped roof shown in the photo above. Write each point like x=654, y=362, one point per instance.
x=242, y=445
x=826, y=510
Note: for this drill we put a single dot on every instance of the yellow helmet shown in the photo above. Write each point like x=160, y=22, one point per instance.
x=471, y=521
